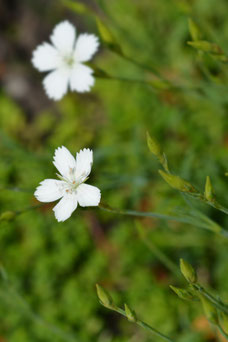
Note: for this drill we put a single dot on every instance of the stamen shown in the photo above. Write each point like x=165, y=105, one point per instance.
x=69, y=60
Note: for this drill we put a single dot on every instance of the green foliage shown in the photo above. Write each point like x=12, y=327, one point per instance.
x=49, y=269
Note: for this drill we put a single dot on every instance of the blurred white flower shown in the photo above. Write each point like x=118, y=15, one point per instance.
x=65, y=60
x=70, y=188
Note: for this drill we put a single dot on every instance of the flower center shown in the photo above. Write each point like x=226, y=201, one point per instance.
x=69, y=60
x=71, y=185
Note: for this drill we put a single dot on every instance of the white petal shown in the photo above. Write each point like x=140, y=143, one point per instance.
x=64, y=161
x=65, y=207
x=81, y=78
x=84, y=162
x=86, y=46
x=56, y=83
x=88, y=195
x=45, y=57
x=49, y=190
x=63, y=37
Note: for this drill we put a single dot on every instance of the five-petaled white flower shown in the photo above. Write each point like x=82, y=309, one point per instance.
x=70, y=188
x=65, y=60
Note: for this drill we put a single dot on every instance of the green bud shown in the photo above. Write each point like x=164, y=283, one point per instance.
x=177, y=182
x=206, y=46
x=182, y=293
x=209, y=310
x=131, y=316
x=155, y=148
x=208, y=193
x=104, y=297
x=7, y=215
x=153, y=145
x=188, y=271
x=194, y=30
x=108, y=37
x=224, y=321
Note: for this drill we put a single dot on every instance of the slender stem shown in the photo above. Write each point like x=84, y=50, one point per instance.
x=144, y=214
x=144, y=325
x=218, y=206
x=224, y=334
x=140, y=65
x=213, y=203
x=153, y=70
x=218, y=304
x=184, y=219
x=30, y=208
x=159, y=254
x=16, y=189
x=124, y=79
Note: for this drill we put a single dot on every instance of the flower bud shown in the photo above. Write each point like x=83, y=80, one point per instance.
x=182, y=293
x=177, y=182
x=104, y=297
x=156, y=149
x=209, y=310
x=153, y=145
x=188, y=271
x=7, y=215
x=131, y=316
x=208, y=193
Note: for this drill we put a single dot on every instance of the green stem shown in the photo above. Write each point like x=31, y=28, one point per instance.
x=218, y=206
x=144, y=325
x=184, y=219
x=219, y=305
x=16, y=189
x=124, y=79
x=143, y=214
x=169, y=264
x=156, y=73
x=161, y=256
x=224, y=334
x=140, y=65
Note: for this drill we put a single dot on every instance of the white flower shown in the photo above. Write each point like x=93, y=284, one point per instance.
x=65, y=60
x=70, y=188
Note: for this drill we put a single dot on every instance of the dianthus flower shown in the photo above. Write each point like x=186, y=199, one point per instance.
x=65, y=58
x=70, y=187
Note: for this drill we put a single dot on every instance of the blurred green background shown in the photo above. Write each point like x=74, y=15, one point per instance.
x=49, y=269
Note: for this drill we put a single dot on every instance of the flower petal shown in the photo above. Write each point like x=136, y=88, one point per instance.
x=86, y=46
x=45, y=57
x=63, y=37
x=49, y=190
x=64, y=162
x=81, y=78
x=88, y=195
x=56, y=83
x=65, y=207
x=84, y=162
